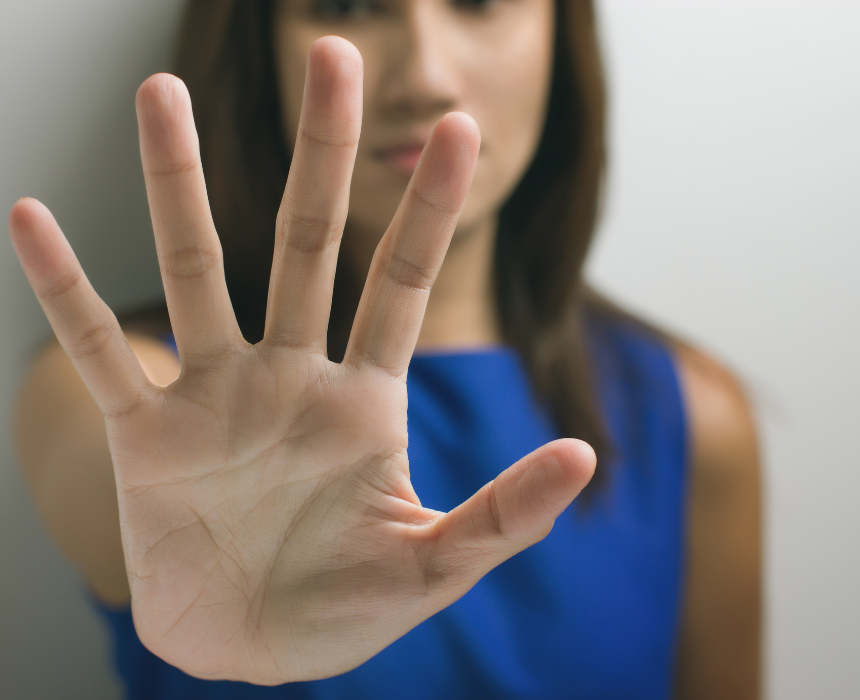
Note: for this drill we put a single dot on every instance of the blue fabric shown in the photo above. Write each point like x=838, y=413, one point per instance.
x=590, y=612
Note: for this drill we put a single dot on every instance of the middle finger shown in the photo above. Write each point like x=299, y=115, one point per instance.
x=316, y=198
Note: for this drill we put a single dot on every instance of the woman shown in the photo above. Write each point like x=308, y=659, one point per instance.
x=271, y=528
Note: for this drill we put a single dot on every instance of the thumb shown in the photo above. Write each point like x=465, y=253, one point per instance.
x=512, y=512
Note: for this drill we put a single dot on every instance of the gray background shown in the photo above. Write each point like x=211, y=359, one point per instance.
x=733, y=218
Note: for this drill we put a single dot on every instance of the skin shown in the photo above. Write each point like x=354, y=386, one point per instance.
x=324, y=487
x=423, y=59
x=720, y=646
x=269, y=526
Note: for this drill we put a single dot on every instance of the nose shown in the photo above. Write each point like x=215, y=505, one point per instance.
x=421, y=80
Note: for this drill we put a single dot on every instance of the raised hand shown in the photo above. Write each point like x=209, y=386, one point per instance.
x=270, y=529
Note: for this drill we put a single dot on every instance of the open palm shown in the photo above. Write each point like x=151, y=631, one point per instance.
x=270, y=529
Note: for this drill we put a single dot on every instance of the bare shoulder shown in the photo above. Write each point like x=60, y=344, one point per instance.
x=724, y=443
x=53, y=402
x=721, y=626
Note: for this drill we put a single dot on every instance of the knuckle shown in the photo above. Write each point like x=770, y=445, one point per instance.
x=331, y=136
x=409, y=273
x=189, y=262
x=310, y=234
x=494, y=520
x=174, y=167
x=435, y=201
x=91, y=341
x=62, y=286
x=130, y=407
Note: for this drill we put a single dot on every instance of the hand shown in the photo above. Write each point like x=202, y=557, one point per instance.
x=270, y=529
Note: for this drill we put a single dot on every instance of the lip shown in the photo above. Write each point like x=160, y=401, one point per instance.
x=401, y=157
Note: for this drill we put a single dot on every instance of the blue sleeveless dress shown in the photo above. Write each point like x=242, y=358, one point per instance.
x=592, y=611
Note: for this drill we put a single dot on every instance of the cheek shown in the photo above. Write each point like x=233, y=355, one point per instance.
x=508, y=94
x=516, y=107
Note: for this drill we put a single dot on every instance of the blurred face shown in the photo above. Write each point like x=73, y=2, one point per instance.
x=423, y=58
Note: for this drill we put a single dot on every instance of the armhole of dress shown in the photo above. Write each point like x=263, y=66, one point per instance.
x=685, y=476
x=170, y=341
x=686, y=437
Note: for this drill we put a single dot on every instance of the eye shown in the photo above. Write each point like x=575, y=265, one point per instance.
x=343, y=9
x=474, y=5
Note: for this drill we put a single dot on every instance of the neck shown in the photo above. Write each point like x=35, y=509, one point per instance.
x=461, y=311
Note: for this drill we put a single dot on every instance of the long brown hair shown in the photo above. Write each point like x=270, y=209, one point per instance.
x=226, y=58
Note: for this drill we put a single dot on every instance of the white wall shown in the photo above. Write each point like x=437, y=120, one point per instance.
x=733, y=217
x=68, y=136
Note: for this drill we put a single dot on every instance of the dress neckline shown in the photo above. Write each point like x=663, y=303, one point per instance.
x=430, y=353
x=477, y=351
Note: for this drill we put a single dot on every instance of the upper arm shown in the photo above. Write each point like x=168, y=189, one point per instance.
x=63, y=449
x=719, y=652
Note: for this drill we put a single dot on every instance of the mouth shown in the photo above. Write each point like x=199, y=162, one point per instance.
x=401, y=158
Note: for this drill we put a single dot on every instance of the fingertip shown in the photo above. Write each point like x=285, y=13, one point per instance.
x=160, y=89
x=333, y=60
x=578, y=455
x=560, y=470
x=332, y=47
x=463, y=128
x=450, y=162
x=25, y=215
x=573, y=462
x=18, y=215
x=465, y=123
x=162, y=104
x=35, y=235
